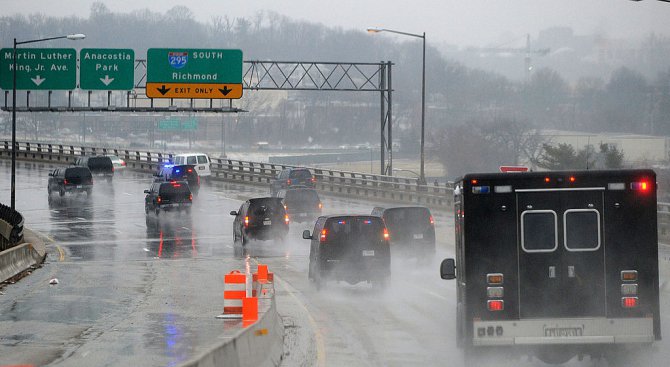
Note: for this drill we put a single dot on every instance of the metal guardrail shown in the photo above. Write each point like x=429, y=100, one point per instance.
x=379, y=187
x=11, y=227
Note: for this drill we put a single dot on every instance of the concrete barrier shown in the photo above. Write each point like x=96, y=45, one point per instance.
x=18, y=259
x=259, y=345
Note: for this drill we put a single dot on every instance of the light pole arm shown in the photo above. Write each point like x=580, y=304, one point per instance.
x=377, y=30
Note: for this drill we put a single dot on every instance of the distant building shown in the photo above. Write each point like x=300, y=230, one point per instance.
x=638, y=150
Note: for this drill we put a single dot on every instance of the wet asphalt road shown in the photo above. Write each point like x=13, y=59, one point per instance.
x=145, y=293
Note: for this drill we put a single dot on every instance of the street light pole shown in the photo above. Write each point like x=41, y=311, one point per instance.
x=77, y=36
x=422, y=176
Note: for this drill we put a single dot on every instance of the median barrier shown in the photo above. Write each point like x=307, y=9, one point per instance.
x=260, y=340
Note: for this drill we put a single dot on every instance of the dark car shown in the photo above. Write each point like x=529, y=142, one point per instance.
x=100, y=166
x=168, y=196
x=412, y=230
x=70, y=179
x=352, y=248
x=292, y=177
x=301, y=204
x=260, y=219
x=185, y=172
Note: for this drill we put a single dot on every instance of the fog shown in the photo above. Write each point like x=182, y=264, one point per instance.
x=461, y=23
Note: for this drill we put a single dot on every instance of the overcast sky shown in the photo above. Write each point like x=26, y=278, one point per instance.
x=459, y=22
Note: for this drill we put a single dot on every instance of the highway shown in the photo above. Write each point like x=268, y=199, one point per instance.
x=137, y=292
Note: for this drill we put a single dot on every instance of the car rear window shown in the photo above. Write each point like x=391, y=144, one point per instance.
x=179, y=160
x=173, y=188
x=349, y=228
x=191, y=159
x=265, y=206
x=77, y=172
x=202, y=159
x=401, y=218
x=308, y=196
x=303, y=173
x=100, y=162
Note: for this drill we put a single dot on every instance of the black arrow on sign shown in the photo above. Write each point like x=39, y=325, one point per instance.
x=225, y=90
x=163, y=90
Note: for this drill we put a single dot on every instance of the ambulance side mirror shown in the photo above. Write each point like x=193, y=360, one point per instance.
x=448, y=269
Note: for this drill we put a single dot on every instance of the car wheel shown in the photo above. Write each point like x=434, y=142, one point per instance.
x=245, y=240
x=157, y=210
x=61, y=192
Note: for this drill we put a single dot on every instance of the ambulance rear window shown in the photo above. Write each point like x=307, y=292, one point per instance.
x=538, y=229
x=582, y=229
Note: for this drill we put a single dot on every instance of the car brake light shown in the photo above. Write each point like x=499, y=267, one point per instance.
x=547, y=179
x=313, y=179
x=189, y=170
x=123, y=163
x=285, y=207
x=640, y=186
x=64, y=181
x=190, y=197
x=159, y=200
x=320, y=206
x=322, y=237
x=112, y=168
x=629, y=302
x=432, y=222
x=286, y=218
x=386, y=234
x=572, y=178
x=495, y=278
x=288, y=182
x=496, y=305
x=174, y=184
x=198, y=180
x=246, y=221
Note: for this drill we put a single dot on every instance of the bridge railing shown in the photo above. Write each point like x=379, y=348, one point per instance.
x=387, y=188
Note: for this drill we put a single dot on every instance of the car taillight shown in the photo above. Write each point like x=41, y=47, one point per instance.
x=123, y=163
x=159, y=200
x=496, y=305
x=286, y=218
x=320, y=206
x=322, y=237
x=288, y=182
x=285, y=207
x=629, y=302
x=189, y=170
x=313, y=179
x=64, y=181
x=432, y=222
x=112, y=168
x=246, y=221
x=174, y=184
x=190, y=197
x=640, y=186
x=198, y=180
x=386, y=234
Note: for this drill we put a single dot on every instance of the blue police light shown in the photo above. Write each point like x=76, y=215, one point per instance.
x=177, y=170
x=481, y=189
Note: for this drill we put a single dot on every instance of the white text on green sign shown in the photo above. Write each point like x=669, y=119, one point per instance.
x=216, y=66
x=106, y=69
x=39, y=68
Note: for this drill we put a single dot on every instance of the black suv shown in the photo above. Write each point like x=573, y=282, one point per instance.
x=301, y=204
x=70, y=179
x=184, y=172
x=352, y=248
x=100, y=165
x=292, y=177
x=260, y=219
x=412, y=230
x=165, y=196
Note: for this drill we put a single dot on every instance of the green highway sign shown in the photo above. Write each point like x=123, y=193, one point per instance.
x=181, y=65
x=106, y=69
x=39, y=68
x=175, y=124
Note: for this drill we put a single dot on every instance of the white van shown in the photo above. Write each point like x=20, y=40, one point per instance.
x=200, y=160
